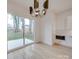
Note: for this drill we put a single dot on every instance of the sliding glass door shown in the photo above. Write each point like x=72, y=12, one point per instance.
x=19, y=31
x=28, y=31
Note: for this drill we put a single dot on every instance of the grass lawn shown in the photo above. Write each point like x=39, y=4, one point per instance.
x=18, y=35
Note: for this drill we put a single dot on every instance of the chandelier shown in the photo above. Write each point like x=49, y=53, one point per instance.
x=35, y=11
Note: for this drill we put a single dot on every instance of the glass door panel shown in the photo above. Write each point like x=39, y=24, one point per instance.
x=28, y=31
x=19, y=31
x=14, y=32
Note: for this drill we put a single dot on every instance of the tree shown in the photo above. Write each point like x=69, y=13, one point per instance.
x=16, y=23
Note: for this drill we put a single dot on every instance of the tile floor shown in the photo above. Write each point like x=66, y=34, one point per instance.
x=41, y=51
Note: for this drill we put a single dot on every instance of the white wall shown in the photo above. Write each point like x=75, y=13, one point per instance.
x=62, y=20
x=52, y=24
x=37, y=30
x=48, y=28
x=64, y=27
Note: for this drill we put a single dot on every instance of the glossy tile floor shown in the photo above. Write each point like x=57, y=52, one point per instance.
x=41, y=51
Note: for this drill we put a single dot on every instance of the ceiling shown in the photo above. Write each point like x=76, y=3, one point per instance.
x=54, y=5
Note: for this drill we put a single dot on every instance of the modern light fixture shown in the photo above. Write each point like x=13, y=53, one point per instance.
x=35, y=11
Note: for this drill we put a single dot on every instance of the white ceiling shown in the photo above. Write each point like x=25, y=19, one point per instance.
x=54, y=5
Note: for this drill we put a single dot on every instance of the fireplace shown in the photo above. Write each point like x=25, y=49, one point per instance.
x=60, y=37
